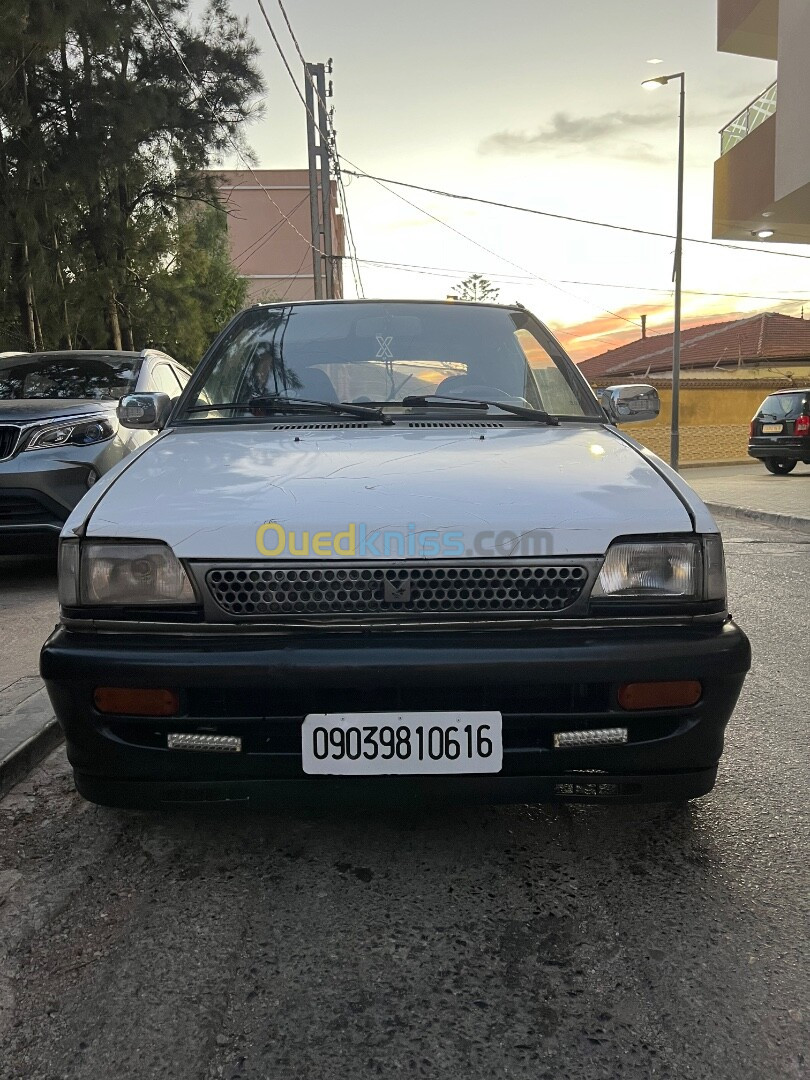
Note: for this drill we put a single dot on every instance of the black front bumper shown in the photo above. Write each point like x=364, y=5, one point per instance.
x=30, y=521
x=261, y=688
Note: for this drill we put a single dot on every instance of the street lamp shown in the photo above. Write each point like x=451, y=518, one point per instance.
x=674, y=437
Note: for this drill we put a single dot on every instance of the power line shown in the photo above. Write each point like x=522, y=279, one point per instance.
x=451, y=272
x=294, y=276
x=693, y=292
x=20, y=65
x=378, y=180
x=567, y=217
x=330, y=144
x=503, y=258
x=258, y=244
x=292, y=35
x=283, y=56
x=355, y=262
x=221, y=123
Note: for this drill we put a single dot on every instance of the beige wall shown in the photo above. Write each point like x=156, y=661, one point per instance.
x=793, y=113
x=744, y=180
x=764, y=181
x=748, y=27
x=273, y=254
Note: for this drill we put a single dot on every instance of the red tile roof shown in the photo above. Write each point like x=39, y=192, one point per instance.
x=770, y=336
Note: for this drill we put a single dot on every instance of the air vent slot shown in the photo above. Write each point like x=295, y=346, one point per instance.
x=455, y=424
x=328, y=426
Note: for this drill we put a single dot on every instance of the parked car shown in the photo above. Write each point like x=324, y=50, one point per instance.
x=59, y=432
x=779, y=435
x=387, y=550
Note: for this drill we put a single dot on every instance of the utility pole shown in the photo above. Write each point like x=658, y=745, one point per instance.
x=320, y=181
x=675, y=424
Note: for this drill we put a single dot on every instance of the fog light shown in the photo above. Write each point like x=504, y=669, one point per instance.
x=610, y=736
x=228, y=744
x=659, y=695
x=124, y=701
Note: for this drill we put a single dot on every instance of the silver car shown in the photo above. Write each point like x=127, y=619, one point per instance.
x=59, y=432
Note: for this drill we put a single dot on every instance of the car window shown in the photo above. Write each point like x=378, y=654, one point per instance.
x=50, y=376
x=164, y=380
x=783, y=406
x=382, y=352
x=556, y=392
x=181, y=375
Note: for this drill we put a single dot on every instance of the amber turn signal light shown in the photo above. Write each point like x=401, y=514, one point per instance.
x=124, y=701
x=659, y=695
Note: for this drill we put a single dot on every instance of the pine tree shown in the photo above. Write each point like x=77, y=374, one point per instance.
x=104, y=139
x=476, y=287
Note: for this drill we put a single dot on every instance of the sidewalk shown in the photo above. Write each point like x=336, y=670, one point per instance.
x=751, y=492
x=28, y=729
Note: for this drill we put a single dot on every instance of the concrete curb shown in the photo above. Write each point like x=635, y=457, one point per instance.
x=27, y=734
x=745, y=513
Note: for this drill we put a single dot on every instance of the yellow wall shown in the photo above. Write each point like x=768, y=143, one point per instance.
x=714, y=421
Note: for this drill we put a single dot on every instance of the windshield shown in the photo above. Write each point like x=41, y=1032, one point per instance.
x=783, y=406
x=102, y=378
x=384, y=352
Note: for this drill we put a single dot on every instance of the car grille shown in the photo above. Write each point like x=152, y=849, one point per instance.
x=432, y=589
x=8, y=440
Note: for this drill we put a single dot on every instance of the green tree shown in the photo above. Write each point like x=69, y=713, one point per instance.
x=476, y=287
x=187, y=301
x=104, y=140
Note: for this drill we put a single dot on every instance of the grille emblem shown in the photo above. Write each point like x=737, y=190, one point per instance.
x=396, y=592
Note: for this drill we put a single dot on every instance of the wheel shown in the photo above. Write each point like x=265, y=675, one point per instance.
x=779, y=466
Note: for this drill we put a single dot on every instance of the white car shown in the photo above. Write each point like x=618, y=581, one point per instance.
x=392, y=550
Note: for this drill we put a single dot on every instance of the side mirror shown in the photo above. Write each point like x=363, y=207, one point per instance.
x=144, y=412
x=630, y=404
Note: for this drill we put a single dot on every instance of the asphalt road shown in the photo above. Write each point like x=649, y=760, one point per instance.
x=522, y=942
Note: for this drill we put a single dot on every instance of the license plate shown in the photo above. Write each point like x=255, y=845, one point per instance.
x=374, y=744
x=771, y=429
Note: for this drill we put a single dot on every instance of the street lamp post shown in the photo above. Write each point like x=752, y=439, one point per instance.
x=675, y=434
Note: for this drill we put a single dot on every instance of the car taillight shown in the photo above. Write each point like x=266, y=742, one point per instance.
x=751, y=428
x=802, y=426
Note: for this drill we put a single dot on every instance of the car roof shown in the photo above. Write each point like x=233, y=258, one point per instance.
x=96, y=354
x=127, y=353
x=388, y=300
x=791, y=390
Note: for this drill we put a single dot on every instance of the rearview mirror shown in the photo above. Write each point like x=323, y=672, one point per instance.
x=144, y=412
x=630, y=404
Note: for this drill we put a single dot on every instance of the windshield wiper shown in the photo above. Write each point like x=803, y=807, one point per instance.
x=418, y=402
x=278, y=404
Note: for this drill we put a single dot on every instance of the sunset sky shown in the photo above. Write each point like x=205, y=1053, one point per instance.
x=538, y=104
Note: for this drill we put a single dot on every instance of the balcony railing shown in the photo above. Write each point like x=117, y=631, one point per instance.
x=750, y=117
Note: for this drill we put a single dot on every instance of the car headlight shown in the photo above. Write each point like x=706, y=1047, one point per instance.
x=663, y=570
x=69, y=433
x=102, y=573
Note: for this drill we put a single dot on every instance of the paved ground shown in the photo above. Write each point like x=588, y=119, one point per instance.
x=753, y=486
x=28, y=612
x=531, y=943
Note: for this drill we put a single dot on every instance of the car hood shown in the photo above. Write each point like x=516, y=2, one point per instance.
x=31, y=409
x=207, y=493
